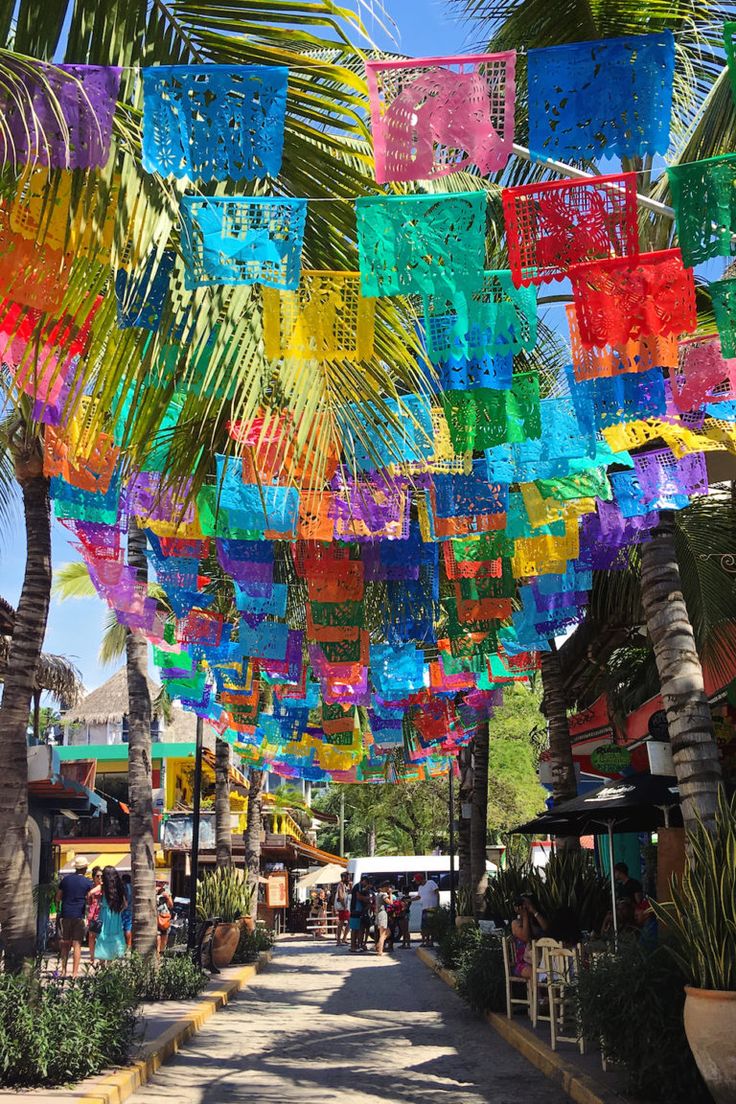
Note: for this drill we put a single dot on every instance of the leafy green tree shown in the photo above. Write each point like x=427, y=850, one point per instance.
x=516, y=738
x=388, y=819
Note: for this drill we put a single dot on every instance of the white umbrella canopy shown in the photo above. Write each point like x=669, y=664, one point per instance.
x=322, y=875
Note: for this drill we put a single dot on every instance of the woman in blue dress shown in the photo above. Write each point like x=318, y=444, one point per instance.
x=111, y=939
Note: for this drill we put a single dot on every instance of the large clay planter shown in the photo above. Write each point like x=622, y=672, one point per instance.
x=224, y=944
x=249, y=924
x=710, y=1026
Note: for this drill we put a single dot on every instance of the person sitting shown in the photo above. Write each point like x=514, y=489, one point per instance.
x=627, y=887
x=528, y=925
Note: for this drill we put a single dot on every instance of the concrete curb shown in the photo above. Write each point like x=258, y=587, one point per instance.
x=113, y=1088
x=578, y=1085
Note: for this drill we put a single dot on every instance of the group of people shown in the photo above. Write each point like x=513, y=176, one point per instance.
x=633, y=914
x=364, y=909
x=100, y=909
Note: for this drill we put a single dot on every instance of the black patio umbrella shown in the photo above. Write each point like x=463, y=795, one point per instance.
x=641, y=803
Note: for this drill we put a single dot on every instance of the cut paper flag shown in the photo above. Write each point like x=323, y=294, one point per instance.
x=326, y=318
x=141, y=295
x=434, y=116
x=639, y=354
x=214, y=122
x=612, y=96
x=702, y=374
x=704, y=198
x=65, y=119
x=552, y=226
x=495, y=319
x=242, y=241
x=615, y=301
x=723, y=295
x=420, y=244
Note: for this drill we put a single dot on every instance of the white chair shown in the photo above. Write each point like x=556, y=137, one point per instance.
x=512, y=979
x=562, y=967
x=539, y=976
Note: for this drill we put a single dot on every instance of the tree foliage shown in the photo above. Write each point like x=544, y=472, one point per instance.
x=514, y=792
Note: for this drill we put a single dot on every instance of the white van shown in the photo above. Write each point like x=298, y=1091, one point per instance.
x=399, y=870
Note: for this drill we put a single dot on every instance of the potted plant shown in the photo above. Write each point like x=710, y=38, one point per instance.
x=226, y=894
x=464, y=907
x=700, y=925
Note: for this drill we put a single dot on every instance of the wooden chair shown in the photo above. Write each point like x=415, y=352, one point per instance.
x=562, y=967
x=539, y=977
x=507, y=946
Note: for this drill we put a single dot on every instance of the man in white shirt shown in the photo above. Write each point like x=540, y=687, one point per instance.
x=341, y=905
x=428, y=892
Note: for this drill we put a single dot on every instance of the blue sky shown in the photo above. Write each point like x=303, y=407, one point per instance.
x=75, y=627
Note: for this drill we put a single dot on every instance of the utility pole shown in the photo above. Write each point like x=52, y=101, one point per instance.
x=194, y=864
x=342, y=821
x=451, y=803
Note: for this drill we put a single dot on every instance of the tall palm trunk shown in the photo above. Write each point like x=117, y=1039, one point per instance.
x=16, y=900
x=140, y=791
x=223, y=825
x=479, y=819
x=252, y=834
x=689, y=718
x=564, y=782
x=465, y=797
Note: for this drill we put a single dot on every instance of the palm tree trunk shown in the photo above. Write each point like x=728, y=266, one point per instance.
x=479, y=819
x=17, y=914
x=465, y=797
x=689, y=718
x=140, y=791
x=372, y=838
x=252, y=834
x=564, y=782
x=223, y=826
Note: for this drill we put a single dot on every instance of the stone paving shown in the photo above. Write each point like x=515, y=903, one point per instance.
x=321, y=1025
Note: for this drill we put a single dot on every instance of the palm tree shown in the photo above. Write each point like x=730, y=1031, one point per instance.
x=17, y=914
x=700, y=94
x=223, y=829
x=252, y=834
x=479, y=819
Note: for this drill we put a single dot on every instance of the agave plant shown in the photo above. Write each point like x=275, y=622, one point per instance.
x=224, y=893
x=700, y=920
x=569, y=880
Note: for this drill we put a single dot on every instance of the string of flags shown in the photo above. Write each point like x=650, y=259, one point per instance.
x=375, y=616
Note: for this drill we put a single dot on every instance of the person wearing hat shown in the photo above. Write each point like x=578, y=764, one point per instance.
x=72, y=896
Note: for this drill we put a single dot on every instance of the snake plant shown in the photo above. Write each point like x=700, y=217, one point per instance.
x=225, y=893
x=699, y=923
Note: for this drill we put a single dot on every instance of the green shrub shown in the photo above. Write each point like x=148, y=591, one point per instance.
x=438, y=923
x=480, y=975
x=63, y=1030
x=251, y=944
x=456, y=943
x=631, y=1002
x=174, y=977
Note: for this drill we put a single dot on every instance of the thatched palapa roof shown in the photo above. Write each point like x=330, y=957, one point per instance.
x=108, y=704
x=56, y=674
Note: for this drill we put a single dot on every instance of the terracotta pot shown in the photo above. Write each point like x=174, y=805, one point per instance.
x=710, y=1026
x=464, y=921
x=224, y=944
x=249, y=924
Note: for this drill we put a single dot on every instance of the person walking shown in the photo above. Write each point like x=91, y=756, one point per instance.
x=384, y=901
x=72, y=897
x=341, y=905
x=360, y=900
x=94, y=900
x=111, y=939
x=128, y=911
x=164, y=909
x=428, y=893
